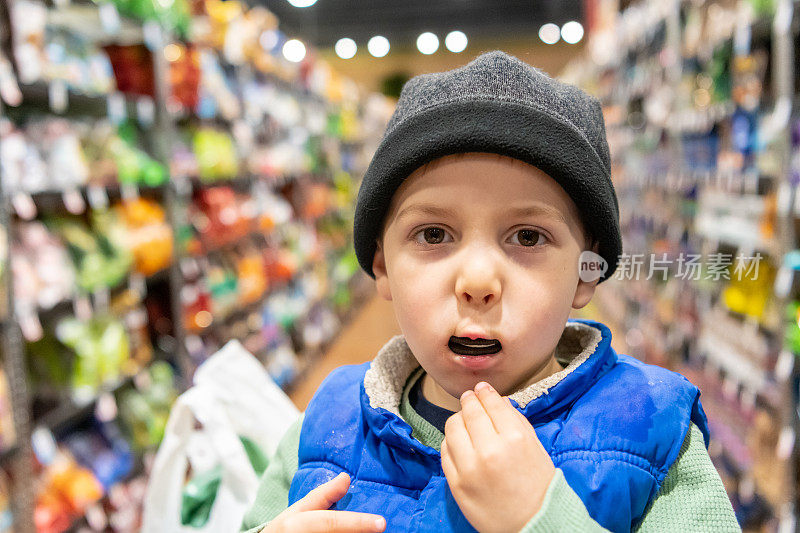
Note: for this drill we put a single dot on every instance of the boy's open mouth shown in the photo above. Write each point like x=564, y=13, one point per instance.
x=467, y=346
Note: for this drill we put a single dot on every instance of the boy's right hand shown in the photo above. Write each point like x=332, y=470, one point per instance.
x=310, y=514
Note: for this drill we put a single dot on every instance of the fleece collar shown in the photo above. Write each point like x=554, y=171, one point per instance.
x=584, y=346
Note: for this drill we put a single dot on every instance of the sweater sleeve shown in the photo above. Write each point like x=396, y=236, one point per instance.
x=273, y=490
x=692, y=498
x=562, y=510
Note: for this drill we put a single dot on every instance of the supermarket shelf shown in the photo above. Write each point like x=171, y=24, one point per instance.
x=57, y=411
x=85, y=18
x=733, y=361
x=93, y=196
x=245, y=180
x=67, y=305
x=359, y=285
x=699, y=120
x=687, y=326
x=243, y=312
x=70, y=413
x=37, y=96
x=255, y=307
x=310, y=356
x=677, y=181
x=56, y=200
x=187, y=117
x=740, y=240
x=209, y=249
x=81, y=523
x=290, y=86
x=161, y=275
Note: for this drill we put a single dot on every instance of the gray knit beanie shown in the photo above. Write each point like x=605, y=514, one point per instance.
x=495, y=104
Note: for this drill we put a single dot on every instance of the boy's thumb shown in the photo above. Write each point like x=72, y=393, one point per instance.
x=322, y=497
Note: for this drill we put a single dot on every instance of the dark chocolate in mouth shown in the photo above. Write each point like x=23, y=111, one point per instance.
x=467, y=346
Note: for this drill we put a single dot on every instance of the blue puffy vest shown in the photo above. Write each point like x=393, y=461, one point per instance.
x=613, y=425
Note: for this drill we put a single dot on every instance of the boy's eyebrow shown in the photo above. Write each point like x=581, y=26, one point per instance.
x=424, y=209
x=532, y=210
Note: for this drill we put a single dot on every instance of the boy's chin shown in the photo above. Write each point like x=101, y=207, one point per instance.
x=456, y=389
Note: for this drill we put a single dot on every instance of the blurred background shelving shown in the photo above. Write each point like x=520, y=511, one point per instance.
x=167, y=185
x=702, y=123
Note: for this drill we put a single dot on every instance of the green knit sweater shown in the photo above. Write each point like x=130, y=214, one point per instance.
x=692, y=497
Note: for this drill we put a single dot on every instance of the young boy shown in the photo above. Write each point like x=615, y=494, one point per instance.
x=493, y=411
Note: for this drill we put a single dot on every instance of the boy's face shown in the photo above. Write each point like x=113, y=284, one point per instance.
x=480, y=269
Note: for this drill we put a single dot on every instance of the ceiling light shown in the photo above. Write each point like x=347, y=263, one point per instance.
x=572, y=32
x=427, y=43
x=378, y=46
x=456, y=41
x=345, y=48
x=294, y=50
x=549, y=33
x=302, y=3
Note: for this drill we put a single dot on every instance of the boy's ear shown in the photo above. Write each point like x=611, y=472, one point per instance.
x=379, y=269
x=585, y=289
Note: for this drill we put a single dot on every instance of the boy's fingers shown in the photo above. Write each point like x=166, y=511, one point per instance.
x=459, y=446
x=477, y=421
x=322, y=497
x=528, y=426
x=515, y=412
x=447, y=462
x=519, y=416
x=499, y=409
x=335, y=522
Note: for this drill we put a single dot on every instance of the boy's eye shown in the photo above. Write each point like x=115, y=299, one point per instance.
x=432, y=235
x=529, y=237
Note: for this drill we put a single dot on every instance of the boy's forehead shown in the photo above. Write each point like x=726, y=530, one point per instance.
x=499, y=181
x=472, y=160
x=445, y=209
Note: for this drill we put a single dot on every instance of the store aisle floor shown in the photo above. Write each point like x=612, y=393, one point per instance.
x=369, y=329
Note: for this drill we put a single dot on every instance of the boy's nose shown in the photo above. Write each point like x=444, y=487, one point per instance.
x=486, y=299
x=479, y=293
x=478, y=277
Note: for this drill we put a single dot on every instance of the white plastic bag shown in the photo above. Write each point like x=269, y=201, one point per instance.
x=233, y=396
